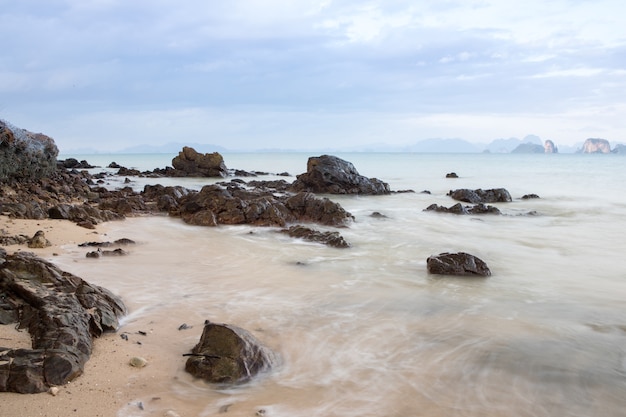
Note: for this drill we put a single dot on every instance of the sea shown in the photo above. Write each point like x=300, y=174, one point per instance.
x=366, y=330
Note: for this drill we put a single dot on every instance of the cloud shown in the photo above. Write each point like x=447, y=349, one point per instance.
x=329, y=64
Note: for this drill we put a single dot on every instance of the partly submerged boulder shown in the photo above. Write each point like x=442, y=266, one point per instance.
x=228, y=354
x=458, y=208
x=494, y=195
x=190, y=163
x=61, y=312
x=460, y=263
x=333, y=239
x=331, y=175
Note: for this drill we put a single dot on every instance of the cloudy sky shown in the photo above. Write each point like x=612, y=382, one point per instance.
x=251, y=74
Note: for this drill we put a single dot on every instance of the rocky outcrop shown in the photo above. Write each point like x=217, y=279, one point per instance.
x=619, y=148
x=61, y=312
x=328, y=174
x=595, y=145
x=228, y=354
x=494, y=195
x=460, y=263
x=550, y=147
x=25, y=155
x=215, y=205
x=332, y=239
x=190, y=163
x=458, y=208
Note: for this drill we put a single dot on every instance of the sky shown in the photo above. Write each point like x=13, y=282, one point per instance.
x=305, y=74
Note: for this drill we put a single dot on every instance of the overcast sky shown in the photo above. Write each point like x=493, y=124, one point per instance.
x=306, y=74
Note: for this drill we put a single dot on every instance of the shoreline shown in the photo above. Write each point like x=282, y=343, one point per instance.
x=108, y=383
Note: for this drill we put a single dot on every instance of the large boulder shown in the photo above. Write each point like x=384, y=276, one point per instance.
x=190, y=163
x=331, y=175
x=25, y=155
x=460, y=263
x=61, y=312
x=228, y=354
x=494, y=195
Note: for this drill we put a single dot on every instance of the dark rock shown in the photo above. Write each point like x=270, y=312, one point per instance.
x=495, y=195
x=460, y=263
x=458, y=208
x=62, y=314
x=333, y=239
x=114, y=165
x=25, y=155
x=378, y=215
x=331, y=175
x=452, y=175
x=529, y=196
x=228, y=354
x=190, y=163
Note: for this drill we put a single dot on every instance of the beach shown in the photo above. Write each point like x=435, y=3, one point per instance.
x=105, y=385
x=366, y=331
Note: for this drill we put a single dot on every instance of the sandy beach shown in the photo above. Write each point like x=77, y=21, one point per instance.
x=108, y=382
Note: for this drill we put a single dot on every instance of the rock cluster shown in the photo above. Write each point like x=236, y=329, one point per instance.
x=458, y=208
x=494, y=195
x=61, y=312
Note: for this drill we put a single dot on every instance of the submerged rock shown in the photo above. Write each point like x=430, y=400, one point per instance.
x=228, y=354
x=331, y=175
x=494, y=195
x=62, y=313
x=458, y=208
x=460, y=263
x=333, y=239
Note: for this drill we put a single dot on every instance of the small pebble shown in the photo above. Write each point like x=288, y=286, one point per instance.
x=53, y=391
x=138, y=362
x=171, y=413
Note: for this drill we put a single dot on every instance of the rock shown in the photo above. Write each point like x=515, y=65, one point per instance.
x=62, y=314
x=460, y=263
x=333, y=239
x=595, y=145
x=54, y=391
x=228, y=354
x=190, y=163
x=331, y=175
x=495, y=195
x=550, y=147
x=25, y=155
x=529, y=196
x=452, y=175
x=137, y=362
x=458, y=208
x=39, y=241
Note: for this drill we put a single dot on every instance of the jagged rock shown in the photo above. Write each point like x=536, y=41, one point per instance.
x=214, y=205
x=62, y=314
x=596, y=145
x=25, y=155
x=458, y=208
x=73, y=163
x=460, y=263
x=331, y=175
x=190, y=163
x=333, y=239
x=494, y=195
x=228, y=354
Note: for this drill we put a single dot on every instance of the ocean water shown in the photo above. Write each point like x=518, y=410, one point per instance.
x=366, y=331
